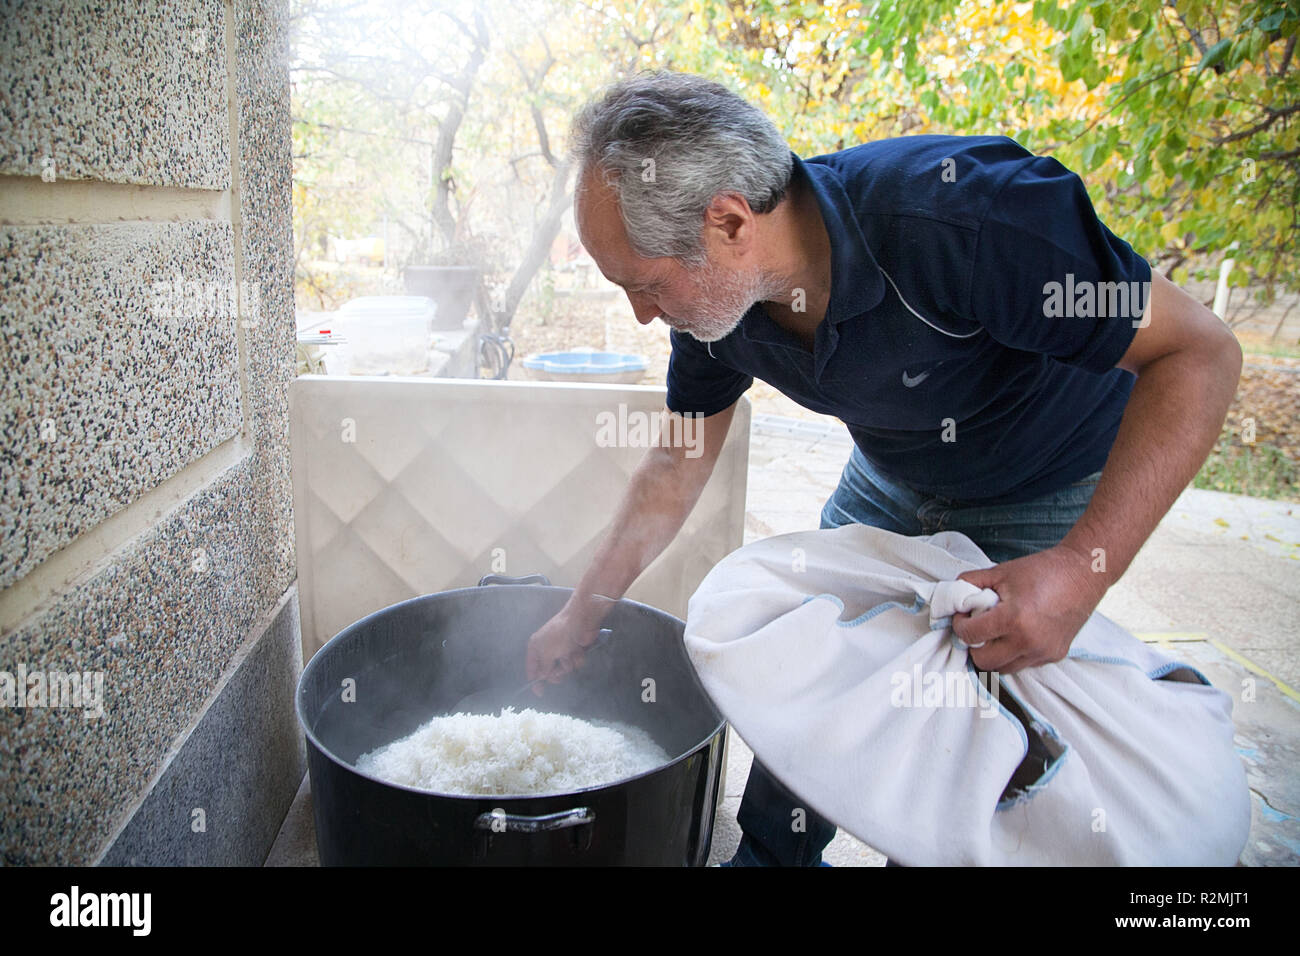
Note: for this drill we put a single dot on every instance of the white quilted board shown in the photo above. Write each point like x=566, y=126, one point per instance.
x=408, y=486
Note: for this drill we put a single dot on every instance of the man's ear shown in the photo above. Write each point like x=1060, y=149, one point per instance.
x=729, y=220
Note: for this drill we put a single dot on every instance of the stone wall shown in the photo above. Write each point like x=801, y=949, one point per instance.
x=146, y=345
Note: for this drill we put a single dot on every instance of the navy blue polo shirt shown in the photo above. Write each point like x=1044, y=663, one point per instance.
x=961, y=346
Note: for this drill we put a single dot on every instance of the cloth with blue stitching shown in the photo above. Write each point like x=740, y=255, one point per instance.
x=832, y=655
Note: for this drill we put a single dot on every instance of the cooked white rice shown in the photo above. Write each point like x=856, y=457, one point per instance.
x=514, y=753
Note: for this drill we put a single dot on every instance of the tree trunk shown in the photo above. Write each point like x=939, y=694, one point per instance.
x=539, y=247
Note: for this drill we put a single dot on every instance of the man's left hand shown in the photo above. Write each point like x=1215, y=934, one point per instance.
x=1043, y=601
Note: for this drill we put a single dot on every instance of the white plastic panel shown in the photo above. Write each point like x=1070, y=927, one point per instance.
x=408, y=486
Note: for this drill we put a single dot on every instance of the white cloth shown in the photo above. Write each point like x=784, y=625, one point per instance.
x=831, y=654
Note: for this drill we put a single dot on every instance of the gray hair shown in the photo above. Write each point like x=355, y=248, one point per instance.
x=668, y=143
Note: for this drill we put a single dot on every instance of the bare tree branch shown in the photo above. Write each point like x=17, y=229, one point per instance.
x=1273, y=116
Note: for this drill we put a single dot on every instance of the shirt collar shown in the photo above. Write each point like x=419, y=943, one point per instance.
x=857, y=284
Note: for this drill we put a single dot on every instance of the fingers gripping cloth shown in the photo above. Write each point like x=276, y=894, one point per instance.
x=832, y=654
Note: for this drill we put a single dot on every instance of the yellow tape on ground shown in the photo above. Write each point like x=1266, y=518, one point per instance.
x=1250, y=665
x=1160, y=637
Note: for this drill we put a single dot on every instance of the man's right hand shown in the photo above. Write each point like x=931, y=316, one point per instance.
x=660, y=494
x=558, y=648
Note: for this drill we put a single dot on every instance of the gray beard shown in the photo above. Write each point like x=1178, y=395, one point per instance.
x=729, y=297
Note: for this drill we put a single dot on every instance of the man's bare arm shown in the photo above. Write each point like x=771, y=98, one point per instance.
x=1187, y=365
x=659, y=497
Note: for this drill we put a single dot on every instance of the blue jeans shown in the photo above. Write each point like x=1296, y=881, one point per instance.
x=864, y=496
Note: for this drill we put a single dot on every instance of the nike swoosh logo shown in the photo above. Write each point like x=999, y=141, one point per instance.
x=911, y=382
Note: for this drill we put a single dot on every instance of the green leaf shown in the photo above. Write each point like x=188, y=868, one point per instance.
x=1214, y=54
x=1168, y=160
x=1272, y=21
x=1070, y=66
x=1142, y=166
x=1094, y=75
x=1090, y=160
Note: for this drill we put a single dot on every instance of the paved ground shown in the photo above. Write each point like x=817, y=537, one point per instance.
x=1218, y=585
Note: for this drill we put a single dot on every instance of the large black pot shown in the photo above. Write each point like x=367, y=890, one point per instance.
x=413, y=660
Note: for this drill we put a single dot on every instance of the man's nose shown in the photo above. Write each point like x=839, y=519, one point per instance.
x=644, y=308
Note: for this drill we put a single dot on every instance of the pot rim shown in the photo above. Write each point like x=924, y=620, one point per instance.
x=310, y=734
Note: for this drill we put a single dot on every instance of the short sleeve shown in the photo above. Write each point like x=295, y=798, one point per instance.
x=1049, y=277
x=698, y=383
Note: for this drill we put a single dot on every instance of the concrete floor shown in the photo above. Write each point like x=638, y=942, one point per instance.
x=1217, y=585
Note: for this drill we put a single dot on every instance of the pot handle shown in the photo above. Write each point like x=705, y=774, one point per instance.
x=503, y=579
x=498, y=821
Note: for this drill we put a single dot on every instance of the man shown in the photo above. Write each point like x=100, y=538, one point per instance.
x=1006, y=366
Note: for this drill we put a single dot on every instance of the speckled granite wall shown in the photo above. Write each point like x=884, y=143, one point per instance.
x=109, y=389
x=122, y=91
x=178, y=620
